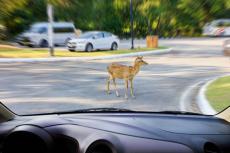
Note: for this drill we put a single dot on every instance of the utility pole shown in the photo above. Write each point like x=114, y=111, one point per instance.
x=131, y=24
x=50, y=28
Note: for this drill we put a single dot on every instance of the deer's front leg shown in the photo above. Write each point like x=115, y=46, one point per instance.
x=126, y=88
x=131, y=91
x=108, y=84
x=115, y=86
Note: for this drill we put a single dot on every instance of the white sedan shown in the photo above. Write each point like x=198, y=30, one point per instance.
x=94, y=40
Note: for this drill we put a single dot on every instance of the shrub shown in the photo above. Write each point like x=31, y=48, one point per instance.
x=3, y=32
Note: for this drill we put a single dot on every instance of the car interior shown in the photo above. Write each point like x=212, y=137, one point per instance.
x=114, y=131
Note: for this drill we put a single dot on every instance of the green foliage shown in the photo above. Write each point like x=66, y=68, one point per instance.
x=218, y=93
x=163, y=17
x=2, y=32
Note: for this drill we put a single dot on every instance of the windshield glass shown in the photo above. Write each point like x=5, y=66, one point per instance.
x=87, y=35
x=37, y=30
x=150, y=56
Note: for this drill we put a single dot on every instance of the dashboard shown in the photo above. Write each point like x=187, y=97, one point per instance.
x=115, y=133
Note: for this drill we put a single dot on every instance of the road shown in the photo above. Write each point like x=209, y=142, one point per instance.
x=60, y=86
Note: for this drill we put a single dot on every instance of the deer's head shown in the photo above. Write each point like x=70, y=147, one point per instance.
x=139, y=60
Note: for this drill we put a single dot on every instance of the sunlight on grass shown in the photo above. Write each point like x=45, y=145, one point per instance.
x=218, y=93
x=41, y=53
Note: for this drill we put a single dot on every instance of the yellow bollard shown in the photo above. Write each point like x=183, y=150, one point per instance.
x=152, y=41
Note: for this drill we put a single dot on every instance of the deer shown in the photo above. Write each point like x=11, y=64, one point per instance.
x=127, y=73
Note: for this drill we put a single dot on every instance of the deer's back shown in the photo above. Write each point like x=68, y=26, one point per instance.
x=119, y=71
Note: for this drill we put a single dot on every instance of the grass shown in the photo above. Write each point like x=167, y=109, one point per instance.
x=218, y=93
x=13, y=52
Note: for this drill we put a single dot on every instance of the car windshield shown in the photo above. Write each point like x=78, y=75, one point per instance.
x=35, y=29
x=88, y=35
x=144, y=56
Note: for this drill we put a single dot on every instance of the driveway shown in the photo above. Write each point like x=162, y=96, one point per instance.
x=60, y=86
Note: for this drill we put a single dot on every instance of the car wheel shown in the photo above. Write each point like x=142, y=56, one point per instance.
x=43, y=43
x=114, y=46
x=71, y=50
x=31, y=46
x=89, y=48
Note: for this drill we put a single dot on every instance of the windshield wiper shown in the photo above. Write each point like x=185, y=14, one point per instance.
x=111, y=109
x=97, y=110
x=90, y=110
x=115, y=110
x=178, y=112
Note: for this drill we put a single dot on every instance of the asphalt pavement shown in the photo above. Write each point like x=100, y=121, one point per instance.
x=59, y=86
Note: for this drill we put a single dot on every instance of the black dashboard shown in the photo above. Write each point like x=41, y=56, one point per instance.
x=115, y=133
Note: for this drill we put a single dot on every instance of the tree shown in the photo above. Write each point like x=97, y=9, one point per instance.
x=162, y=17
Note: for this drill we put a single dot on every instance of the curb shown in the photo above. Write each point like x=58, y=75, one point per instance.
x=153, y=52
x=203, y=102
x=186, y=96
x=51, y=59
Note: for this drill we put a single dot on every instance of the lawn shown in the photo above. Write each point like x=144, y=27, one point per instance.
x=13, y=52
x=218, y=93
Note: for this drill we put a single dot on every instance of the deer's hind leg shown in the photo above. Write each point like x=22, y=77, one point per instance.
x=126, y=88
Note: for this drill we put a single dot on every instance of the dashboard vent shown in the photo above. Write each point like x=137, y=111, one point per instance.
x=211, y=148
x=25, y=142
x=101, y=147
x=65, y=144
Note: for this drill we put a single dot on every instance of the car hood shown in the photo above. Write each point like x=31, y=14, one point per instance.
x=76, y=40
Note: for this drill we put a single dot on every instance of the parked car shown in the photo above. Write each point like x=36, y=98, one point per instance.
x=219, y=27
x=226, y=47
x=94, y=40
x=37, y=35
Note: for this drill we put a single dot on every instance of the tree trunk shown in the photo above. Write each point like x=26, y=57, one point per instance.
x=149, y=27
x=156, y=32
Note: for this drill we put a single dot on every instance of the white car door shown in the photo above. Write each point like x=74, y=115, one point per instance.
x=98, y=41
x=56, y=35
x=108, y=40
